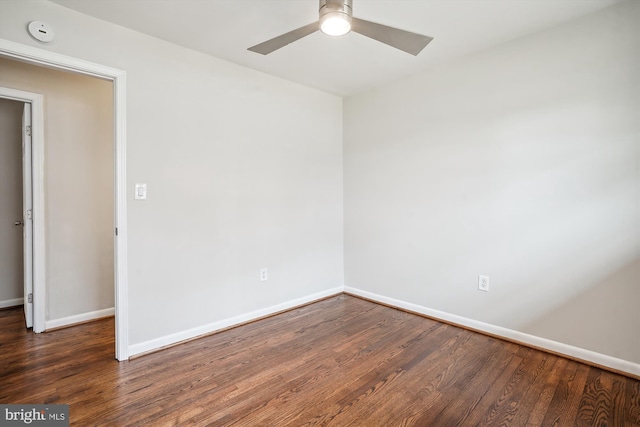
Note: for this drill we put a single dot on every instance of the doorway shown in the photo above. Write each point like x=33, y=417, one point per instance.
x=78, y=192
x=15, y=193
x=22, y=149
x=42, y=58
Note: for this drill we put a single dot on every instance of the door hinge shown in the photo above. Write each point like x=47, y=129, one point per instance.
x=29, y=214
x=116, y=231
x=28, y=129
x=30, y=298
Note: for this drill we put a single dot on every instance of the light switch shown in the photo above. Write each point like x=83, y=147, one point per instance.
x=141, y=192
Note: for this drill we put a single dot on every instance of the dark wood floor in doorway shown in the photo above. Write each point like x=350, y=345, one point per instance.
x=341, y=361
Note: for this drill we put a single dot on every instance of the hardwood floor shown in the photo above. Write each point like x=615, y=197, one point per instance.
x=341, y=361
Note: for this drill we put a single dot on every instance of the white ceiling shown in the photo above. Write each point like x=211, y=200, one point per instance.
x=345, y=65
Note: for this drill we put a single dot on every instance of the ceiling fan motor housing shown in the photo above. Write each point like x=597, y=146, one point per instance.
x=344, y=6
x=333, y=8
x=336, y=19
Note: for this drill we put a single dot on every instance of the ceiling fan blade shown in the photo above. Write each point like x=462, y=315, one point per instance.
x=400, y=39
x=281, y=41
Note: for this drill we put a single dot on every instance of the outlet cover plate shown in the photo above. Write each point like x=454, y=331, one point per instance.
x=483, y=283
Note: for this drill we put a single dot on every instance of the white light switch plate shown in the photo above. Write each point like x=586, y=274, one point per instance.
x=140, y=192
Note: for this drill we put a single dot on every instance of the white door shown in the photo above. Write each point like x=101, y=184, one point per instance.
x=27, y=209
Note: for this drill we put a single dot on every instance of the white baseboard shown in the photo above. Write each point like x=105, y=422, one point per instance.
x=79, y=318
x=11, y=302
x=509, y=334
x=157, y=343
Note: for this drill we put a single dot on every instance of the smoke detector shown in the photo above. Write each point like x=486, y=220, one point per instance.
x=41, y=31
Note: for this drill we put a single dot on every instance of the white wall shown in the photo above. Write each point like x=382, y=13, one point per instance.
x=11, y=272
x=78, y=169
x=521, y=163
x=244, y=171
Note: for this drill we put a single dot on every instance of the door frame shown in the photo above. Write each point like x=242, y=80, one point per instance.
x=27, y=212
x=44, y=58
x=37, y=190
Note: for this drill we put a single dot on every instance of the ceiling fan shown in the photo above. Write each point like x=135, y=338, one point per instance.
x=336, y=19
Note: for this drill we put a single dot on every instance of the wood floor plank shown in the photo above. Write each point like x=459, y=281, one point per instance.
x=532, y=391
x=541, y=402
x=595, y=405
x=474, y=400
x=507, y=405
x=338, y=362
x=563, y=409
x=632, y=402
x=617, y=416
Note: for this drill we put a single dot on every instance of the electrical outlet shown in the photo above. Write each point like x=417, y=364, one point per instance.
x=483, y=283
x=264, y=274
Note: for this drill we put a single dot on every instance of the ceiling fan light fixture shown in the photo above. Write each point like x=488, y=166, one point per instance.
x=335, y=23
x=336, y=19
